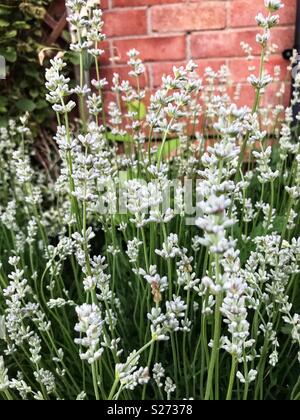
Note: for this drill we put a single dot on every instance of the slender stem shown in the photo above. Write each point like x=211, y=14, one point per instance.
x=232, y=378
x=117, y=379
x=95, y=383
x=216, y=345
x=145, y=249
x=148, y=365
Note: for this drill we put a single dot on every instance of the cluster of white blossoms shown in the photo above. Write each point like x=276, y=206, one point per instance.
x=25, y=324
x=215, y=193
x=90, y=326
x=145, y=201
x=234, y=307
x=58, y=87
x=170, y=248
x=130, y=375
x=154, y=279
x=265, y=173
x=133, y=250
x=173, y=320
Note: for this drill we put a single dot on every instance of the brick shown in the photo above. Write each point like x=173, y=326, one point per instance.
x=282, y=63
x=270, y=99
x=153, y=48
x=128, y=3
x=247, y=95
x=104, y=4
x=283, y=38
x=162, y=69
x=123, y=71
x=125, y=22
x=239, y=67
x=108, y=97
x=105, y=58
x=227, y=43
x=215, y=64
x=242, y=12
x=220, y=44
x=188, y=17
x=210, y=31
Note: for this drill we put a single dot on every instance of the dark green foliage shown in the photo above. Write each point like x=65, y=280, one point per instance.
x=20, y=41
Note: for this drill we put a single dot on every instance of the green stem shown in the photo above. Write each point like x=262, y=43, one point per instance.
x=117, y=379
x=232, y=378
x=95, y=384
x=148, y=365
x=215, y=351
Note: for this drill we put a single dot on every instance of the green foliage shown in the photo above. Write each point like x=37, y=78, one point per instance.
x=169, y=148
x=20, y=37
x=139, y=108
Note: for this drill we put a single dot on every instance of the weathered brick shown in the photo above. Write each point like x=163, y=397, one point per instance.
x=153, y=48
x=125, y=22
x=188, y=17
x=228, y=43
x=242, y=12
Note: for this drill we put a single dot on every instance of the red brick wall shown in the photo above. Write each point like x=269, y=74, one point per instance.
x=169, y=32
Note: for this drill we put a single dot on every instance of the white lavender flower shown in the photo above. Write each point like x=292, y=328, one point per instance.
x=273, y=5
x=252, y=374
x=90, y=325
x=130, y=375
x=21, y=386
x=266, y=79
x=158, y=284
x=46, y=378
x=263, y=160
x=133, y=250
x=158, y=374
x=170, y=387
x=170, y=248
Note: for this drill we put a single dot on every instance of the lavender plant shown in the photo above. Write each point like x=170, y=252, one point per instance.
x=167, y=268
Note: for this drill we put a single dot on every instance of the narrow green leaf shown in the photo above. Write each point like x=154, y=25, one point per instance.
x=4, y=23
x=21, y=25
